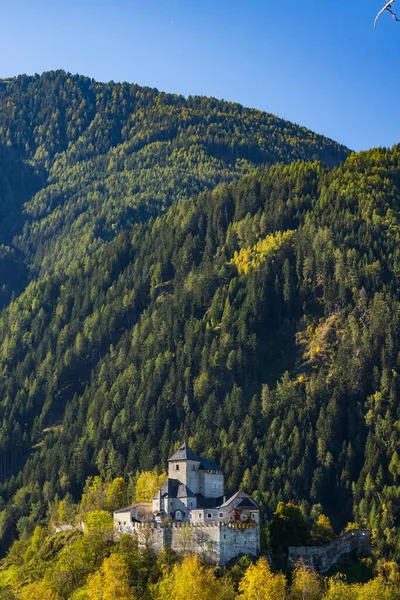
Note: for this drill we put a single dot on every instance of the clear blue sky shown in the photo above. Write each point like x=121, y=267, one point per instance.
x=319, y=63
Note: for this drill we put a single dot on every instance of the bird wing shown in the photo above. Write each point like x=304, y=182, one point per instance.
x=387, y=5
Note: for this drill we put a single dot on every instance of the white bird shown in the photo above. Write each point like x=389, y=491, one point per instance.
x=388, y=7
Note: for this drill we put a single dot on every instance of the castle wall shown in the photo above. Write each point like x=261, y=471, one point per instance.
x=123, y=521
x=212, y=484
x=216, y=542
x=193, y=477
x=188, y=473
x=356, y=541
x=234, y=541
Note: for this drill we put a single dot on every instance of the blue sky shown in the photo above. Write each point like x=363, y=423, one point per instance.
x=319, y=63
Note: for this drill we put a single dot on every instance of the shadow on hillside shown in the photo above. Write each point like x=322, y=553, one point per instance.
x=18, y=183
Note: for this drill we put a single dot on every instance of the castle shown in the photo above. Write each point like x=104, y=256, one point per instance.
x=191, y=514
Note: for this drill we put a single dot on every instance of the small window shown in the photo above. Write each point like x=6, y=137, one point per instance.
x=209, y=516
x=194, y=468
x=200, y=515
x=221, y=515
x=177, y=468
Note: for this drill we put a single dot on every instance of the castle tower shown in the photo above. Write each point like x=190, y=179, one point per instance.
x=199, y=474
x=184, y=465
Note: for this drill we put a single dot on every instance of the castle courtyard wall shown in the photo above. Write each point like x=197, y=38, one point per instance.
x=217, y=542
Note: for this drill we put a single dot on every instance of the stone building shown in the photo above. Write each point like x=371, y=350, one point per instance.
x=190, y=513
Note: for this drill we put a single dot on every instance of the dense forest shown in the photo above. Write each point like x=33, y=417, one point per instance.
x=187, y=268
x=104, y=156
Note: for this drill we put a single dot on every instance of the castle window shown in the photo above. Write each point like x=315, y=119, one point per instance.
x=177, y=467
x=209, y=516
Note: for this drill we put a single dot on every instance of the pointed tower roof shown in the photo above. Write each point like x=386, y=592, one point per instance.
x=184, y=453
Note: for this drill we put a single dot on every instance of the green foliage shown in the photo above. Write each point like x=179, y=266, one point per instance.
x=136, y=330
x=289, y=527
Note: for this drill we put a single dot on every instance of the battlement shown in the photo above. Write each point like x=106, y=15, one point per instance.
x=195, y=526
x=217, y=542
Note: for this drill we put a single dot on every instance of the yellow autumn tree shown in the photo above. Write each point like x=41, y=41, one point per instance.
x=93, y=497
x=260, y=583
x=148, y=484
x=377, y=589
x=190, y=579
x=115, y=494
x=322, y=532
x=268, y=247
x=66, y=511
x=306, y=584
x=37, y=591
x=111, y=581
x=338, y=589
x=99, y=521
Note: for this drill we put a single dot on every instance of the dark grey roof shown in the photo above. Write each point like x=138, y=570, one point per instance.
x=243, y=497
x=138, y=505
x=247, y=503
x=208, y=502
x=170, y=488
x=209, y=465
x=185, y=453
x=175, y=489
x=184, y=492
x=122, y=510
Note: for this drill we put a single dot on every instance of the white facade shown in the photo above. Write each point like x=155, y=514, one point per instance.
x=192, y=499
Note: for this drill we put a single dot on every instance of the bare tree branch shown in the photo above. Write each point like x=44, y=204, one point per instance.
x=388, y=7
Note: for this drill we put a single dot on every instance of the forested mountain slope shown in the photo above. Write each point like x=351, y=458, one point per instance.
x=260, y=320
x=108, y=155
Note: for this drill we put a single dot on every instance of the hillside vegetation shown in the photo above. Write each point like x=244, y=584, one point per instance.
x=260, y=320
x=68, y=563
x=163, y=279
x=108, y=155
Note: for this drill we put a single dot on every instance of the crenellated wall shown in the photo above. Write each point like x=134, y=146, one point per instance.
x=354, y=542
x=218, y=542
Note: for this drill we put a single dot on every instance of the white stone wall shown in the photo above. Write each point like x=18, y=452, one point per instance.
x=187, y=473
x=204, y=515
x=193, y=476
x=212, y=484
x=234, y=541
x=216, y=542
x=123, y=522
